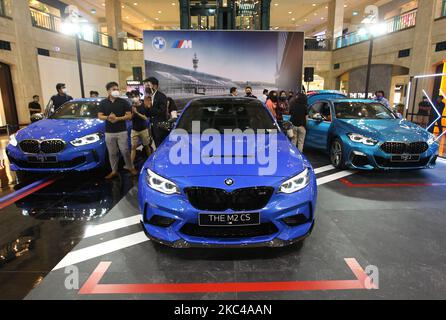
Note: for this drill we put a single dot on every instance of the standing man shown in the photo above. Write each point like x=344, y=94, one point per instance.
x=380, y=97
x=248, y=92
x=299, y=111
x=157, y=109
x=424, y=108
x=34, y=106
x=140, y=125
x=61, y=97
x=440, y=108
x=264, y=96
x=115, y=112
x=233, y=92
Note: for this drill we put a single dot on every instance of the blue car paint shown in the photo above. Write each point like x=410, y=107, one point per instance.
x=321, y=134
x=317, y=95
x=290, y=163
x=66, y=130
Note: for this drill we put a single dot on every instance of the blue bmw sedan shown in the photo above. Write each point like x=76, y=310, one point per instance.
x=72, y=139
x=364, y=134
x=227, y=177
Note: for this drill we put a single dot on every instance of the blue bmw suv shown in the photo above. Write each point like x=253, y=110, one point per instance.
x=204, y=186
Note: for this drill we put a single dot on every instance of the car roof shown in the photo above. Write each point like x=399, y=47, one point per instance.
x=87, y=100
x=215, y=99
x=352, y=100
x=325, y=92
x=99, y=99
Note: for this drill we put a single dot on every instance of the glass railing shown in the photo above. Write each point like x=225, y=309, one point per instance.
x=443, y=9
x=398, y=23
x=5, y=8
x=317, y=44
x=51, y=22
x=132, y=44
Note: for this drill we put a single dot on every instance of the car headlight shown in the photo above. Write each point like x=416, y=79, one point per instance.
x=356, y=137
x=296, y=183
x=89, y=139
x=13, y=140
x=158, y=183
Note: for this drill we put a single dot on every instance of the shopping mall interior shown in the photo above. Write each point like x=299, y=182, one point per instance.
x=355, y=209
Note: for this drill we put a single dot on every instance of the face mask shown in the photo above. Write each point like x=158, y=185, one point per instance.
x=274, y=98
x=283, y=98
x=115, y=93
x=135, y=100
x=248, y=93
x=65, y=90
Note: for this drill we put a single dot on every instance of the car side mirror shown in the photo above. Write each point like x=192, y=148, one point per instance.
x=36, y=117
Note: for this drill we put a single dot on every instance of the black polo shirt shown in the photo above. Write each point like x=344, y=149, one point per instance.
x=119, y=107
x=34, y=105
x=59, y=100
x=138, y=123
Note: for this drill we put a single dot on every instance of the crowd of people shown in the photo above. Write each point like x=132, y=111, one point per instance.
x=158, y=108
x=281, y=105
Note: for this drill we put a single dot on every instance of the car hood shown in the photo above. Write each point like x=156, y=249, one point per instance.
x=387, y=130
x=60, y=129
x=284, y=162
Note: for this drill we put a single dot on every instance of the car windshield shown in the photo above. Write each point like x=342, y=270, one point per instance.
x=77, y=110
x=362, y=110
x=226, y=114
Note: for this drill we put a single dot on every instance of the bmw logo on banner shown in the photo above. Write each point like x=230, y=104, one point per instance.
x=159, y=43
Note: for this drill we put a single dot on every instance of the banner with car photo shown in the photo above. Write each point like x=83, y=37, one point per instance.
x=195, y=63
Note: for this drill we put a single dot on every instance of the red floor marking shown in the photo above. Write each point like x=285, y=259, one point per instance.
x=92, y=285
x=27, y=193
x=388, y=185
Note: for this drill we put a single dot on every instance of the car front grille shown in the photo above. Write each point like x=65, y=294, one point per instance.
x=30, y=146
x=45, y=146
x=264, y=229
x=402, y=148
x=246, y=199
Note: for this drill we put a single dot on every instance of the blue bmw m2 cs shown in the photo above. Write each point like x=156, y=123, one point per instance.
x=366, y=135
x=227, y=177
x=72, y=139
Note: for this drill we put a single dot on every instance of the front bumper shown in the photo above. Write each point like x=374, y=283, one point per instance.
x=83, y=158
x=373, y=157
x=179, y=235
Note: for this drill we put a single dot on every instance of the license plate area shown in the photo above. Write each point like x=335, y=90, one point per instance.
x=42, y=159
x=229, y=219
x=406, y=158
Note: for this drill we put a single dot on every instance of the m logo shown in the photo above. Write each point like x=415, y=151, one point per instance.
x=182, y=44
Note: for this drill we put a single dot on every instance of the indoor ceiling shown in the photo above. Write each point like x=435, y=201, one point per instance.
x=304, y=15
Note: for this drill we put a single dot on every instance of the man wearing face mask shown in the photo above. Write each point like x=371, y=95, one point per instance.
x=272, y=102
x=282, y=106
x=140, y=126
x=248, y=91
x=157, y=110
x=115, y=112
x=61, y=97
